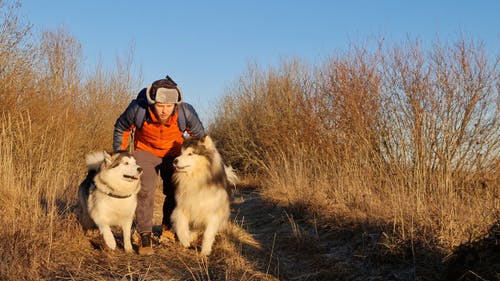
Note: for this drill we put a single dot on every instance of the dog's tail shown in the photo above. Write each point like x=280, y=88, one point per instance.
x=94, y=160
x=237, y=233
x=231, y=176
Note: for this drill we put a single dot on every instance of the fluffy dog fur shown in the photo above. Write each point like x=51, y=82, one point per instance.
x=108, y=196
x=202, y=198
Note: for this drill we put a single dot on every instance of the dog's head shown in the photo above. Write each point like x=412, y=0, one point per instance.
x=121, y=165
x=196, y=152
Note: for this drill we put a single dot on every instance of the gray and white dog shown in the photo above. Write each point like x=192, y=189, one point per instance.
x=108, y=196
x=202, y=197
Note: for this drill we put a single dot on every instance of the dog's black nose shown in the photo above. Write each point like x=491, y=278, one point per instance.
x=139, y=169
x=175, y=161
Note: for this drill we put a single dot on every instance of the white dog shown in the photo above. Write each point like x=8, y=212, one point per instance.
x=202, y=199
x=108, y=195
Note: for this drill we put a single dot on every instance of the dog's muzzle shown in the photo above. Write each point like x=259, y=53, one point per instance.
x=177, y=167
x=134, y=177
x=131, y=177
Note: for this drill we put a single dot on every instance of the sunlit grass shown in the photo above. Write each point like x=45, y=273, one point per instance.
x=402, y=140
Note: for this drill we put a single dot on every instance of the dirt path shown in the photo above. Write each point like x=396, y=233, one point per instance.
x=298, y=246
x=265, y=242
x=294, y=247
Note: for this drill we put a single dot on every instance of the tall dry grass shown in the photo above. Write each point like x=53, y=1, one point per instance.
x=404, y=136
x=51, y=114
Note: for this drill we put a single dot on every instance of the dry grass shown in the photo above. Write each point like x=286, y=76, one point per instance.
x=374, y=165
x=51, y=114
x=403, y=139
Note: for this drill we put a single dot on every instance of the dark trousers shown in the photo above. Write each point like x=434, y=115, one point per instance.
x=166, y=172
x=152, y=165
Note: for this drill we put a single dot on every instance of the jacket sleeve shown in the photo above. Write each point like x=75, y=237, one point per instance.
x=124, y=126
x=193, y=123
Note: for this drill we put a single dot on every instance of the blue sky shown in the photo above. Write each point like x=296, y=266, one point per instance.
x=206, y=45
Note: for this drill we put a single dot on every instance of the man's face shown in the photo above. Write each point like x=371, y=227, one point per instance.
x=163, y=110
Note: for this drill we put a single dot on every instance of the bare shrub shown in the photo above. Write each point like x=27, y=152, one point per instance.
x=441, y=131
x=51, y=114
x=249, y=124
x=400, y=135
x=17, y=56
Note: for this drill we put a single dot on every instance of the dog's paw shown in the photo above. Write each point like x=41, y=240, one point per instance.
x=112, y=246
x=128, y=249
x=185, y=243
x=193, y=238
x=110, y=243
x=206, y=249
x=184, y=236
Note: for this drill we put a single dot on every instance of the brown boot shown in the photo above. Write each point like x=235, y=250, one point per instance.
x=145, y=244
x=166, y=235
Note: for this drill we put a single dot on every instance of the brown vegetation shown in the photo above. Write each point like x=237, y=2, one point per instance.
x=374, y=165
x=403, y=139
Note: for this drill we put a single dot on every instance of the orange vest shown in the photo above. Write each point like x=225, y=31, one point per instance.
x=158, y=138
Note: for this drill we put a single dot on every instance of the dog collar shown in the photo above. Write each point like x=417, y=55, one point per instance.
x=111, y=194
x=118, y=196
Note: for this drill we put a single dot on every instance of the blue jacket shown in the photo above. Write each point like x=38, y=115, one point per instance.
x=136, y=114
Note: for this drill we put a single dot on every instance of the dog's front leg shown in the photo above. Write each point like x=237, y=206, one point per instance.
x=181, y=227
x=209, y=237
x=109, y=239
x=127, y=244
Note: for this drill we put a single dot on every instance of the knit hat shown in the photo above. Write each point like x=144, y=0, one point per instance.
x=164, y=95
x=163, y=91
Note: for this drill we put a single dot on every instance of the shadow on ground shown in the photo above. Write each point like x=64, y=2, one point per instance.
x=297, y=245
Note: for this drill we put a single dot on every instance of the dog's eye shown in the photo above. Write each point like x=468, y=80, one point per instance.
x=126, y=163
x=190, y=154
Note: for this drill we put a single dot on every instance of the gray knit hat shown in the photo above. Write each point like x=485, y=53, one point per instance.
x=163, y=91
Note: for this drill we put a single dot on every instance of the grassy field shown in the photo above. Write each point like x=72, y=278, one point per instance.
x=380, y=164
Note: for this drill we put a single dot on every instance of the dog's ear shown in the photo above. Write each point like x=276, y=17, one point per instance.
x=94, y=160
x=107, y=158
x=208, y=142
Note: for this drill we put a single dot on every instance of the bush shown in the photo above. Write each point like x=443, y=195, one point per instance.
x=404, y=135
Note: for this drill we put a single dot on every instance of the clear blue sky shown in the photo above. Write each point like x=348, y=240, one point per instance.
x=206, y=45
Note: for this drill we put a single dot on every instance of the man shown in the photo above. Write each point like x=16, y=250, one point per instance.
x=158, y=120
